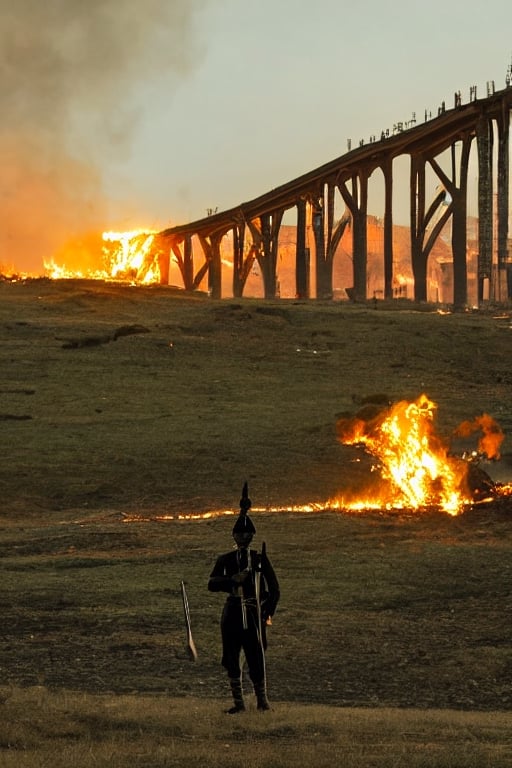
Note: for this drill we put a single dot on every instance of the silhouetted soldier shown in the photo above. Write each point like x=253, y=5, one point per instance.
x=253, y=593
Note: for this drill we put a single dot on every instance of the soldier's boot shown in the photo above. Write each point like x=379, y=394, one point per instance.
x=238, y=697
x=260, y=689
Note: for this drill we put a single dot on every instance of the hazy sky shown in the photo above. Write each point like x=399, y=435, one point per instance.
x=124, y=113
x=282, y=84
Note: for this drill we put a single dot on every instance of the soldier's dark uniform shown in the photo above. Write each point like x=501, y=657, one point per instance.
x=243, y=627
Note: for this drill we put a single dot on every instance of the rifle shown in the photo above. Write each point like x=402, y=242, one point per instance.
x=240, y=588
x=191, y=646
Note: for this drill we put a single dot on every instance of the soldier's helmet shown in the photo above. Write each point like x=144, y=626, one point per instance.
x=244, y=523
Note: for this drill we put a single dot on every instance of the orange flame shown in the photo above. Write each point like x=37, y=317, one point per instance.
x=491, y=438
x=125, y=256
x=131, y=256
x=412, y=458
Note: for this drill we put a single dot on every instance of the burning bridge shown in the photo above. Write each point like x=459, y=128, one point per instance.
x=334, y=197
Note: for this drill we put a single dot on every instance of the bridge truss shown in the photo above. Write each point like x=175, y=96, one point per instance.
x=440, y=146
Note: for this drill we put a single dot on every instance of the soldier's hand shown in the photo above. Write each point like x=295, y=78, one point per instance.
x=239, y=578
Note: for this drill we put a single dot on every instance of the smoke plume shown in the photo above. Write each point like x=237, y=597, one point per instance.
x=70, y=72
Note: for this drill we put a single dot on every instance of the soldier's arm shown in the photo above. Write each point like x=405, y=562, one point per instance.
x=219, y=580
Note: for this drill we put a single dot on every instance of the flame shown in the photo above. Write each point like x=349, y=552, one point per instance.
x=413, y=460
x=132, y=256
x=417, y=471
x=125, y=256
x=491, y=438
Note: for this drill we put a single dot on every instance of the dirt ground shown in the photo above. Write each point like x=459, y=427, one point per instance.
x=122, y=404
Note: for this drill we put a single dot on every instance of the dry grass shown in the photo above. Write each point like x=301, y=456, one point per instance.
x=40, y=728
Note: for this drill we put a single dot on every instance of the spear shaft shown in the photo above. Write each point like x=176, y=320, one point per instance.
x=257, y=585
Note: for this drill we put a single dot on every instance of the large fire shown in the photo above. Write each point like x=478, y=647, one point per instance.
x=416, y=464
x=125, y=256
x=416, y=469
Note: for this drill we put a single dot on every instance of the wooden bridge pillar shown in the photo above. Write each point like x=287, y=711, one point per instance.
x=504, y=265
x=238, y=260
x=459, y=195
x=188, y=264
x=268, y=259
x=301, y=253
x=360, y=234
x=485, y=207
x=387, y=170
x=356, y=201
x=418, y=226
x=265, y=235
x=215, y=268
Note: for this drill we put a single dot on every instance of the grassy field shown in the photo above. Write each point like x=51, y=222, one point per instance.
x=125, y=408
x=64, y=729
